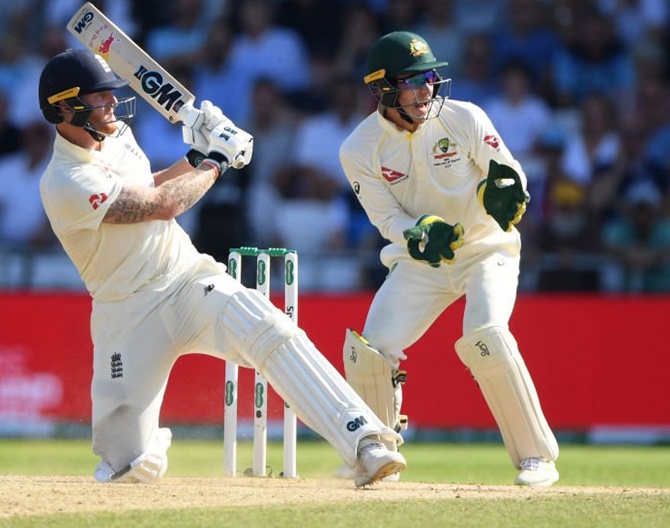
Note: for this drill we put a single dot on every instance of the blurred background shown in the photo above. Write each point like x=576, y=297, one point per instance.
x=578, y=89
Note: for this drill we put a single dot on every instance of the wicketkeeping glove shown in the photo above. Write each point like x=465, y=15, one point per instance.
x=503, y=195
x=230, y=145
x=433, y=240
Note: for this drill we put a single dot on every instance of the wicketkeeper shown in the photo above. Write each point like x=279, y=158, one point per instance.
x=437, y=181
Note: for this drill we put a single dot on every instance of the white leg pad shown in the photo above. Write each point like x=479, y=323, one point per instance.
x=301, y=375
x=374, y=379
x=493, y=357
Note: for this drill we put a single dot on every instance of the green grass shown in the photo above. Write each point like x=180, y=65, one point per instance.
x=627, y=467
x=579, y=465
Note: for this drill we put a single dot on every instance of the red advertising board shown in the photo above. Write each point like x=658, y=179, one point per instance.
x=595, y=361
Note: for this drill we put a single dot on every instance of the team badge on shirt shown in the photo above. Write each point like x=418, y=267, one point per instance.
x=441, y=149
x=442, y=155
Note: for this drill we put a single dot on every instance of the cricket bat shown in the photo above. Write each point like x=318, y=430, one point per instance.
x=130, y=62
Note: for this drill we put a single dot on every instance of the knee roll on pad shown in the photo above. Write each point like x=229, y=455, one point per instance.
x=492, y=355
x=375, y=380
x=256, y=326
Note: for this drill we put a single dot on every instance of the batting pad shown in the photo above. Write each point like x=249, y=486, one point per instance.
x=374, y=379
x=300, y=374
x=493, y=357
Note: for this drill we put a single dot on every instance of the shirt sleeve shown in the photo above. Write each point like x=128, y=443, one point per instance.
x=486, y=145
x=82, y=198
x=381, y=207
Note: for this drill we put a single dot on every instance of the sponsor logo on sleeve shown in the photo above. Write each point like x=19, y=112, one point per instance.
x=96, y=200
x=492, y=141
x=392, y=176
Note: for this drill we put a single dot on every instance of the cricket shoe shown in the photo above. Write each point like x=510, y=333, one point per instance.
x=374, y=462
x=346, y=473
x=536, y=472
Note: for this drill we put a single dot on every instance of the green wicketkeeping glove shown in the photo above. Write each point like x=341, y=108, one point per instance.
x=503, y=195
x=439, y=240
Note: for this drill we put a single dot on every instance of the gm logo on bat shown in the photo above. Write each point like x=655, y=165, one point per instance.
x=152, y=84
x=83, y=22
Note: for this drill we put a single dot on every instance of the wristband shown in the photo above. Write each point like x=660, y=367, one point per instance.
x=194, y=157
x=213, y=164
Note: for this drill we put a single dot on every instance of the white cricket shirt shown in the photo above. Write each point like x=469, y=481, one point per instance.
x=399, y=176
x=113, y=260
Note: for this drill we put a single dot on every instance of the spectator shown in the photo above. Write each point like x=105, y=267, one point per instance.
x=639, y=240
x=17, y=65
x=273, y=125
x=220, y=222
x=23, y=224
x=634, y=168
x=316, y=185
x=653, y=104
x=596, y=62
x=10, y=140
x=637, y=20
x=476, y=16
x=319, y=136
x=216, y=79
x=319, y=25
x=526, y=38
x=263, y=49
x=360, y=30
x=477, y=84
x=543, y=170
x=178, y=44
x=518, y=115
x=24, y=107
x=399, y=15
x=567, y=233
x=59, y=12
x=438, y=26
x=595, y=148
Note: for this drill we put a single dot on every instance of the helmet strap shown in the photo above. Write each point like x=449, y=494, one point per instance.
x=98, y=136
x=404, y=115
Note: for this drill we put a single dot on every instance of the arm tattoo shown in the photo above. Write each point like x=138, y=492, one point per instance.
x=168, y=200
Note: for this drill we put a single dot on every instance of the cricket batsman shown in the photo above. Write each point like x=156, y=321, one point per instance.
x=155, y=297
x=438, y=182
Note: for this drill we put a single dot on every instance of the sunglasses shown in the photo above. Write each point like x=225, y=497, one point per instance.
x=419, y=80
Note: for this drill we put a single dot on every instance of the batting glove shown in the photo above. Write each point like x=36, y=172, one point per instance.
x=213, y=116
x=192, y=130
x=230, y=145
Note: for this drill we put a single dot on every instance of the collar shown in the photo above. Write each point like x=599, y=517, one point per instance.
x=70, y=150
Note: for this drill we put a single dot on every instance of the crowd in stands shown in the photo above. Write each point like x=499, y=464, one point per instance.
x=578, y=89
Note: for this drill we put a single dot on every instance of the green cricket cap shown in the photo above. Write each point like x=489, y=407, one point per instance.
x=399, y=53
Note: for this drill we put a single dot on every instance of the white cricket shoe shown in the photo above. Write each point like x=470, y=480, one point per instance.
x=375, y=462
x=536, y=472
x=346, y=473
